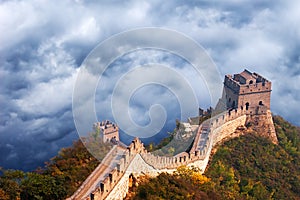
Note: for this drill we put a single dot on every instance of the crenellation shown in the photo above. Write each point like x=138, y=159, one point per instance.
x=113, y=175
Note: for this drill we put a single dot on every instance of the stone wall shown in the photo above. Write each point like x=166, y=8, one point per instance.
x=136, y=160
x=87, y=185
x=120, y=190
x=222, y=126
x=225, y=130
x=111, y=170
x=263, y=124
x=254, y=99
x=137, y=167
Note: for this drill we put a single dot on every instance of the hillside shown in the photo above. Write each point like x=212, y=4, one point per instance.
x=248, y=167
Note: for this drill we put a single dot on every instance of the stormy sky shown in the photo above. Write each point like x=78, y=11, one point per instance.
x=43, y=44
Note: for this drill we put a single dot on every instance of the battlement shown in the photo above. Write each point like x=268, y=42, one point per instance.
x=244, y=82
x=109, y=181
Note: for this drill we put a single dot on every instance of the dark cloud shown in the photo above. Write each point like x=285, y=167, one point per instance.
x=44, y=43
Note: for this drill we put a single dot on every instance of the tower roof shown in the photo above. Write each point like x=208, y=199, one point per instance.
x=247, y=77
x=247, y=74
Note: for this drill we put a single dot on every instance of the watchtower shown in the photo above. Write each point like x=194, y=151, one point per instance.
x=247, y=90
x=108, y=131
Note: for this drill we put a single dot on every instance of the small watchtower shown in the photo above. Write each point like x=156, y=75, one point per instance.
x=109, y=131
x=247, y=90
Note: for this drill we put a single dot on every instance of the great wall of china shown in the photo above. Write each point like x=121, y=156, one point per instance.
x=110, y=180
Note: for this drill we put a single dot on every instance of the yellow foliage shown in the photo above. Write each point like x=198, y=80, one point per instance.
x=199, y=178
x=192, y=173
x=3, y=195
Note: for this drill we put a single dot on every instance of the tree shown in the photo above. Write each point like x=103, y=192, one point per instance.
x=9, y=183
x=185, y=183
x=3, y=195
x=40, y=186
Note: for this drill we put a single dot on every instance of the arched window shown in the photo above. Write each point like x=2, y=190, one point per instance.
x=110, y=177
x=250, y=82
x=102, y=187
x=247, y=105
x=260, y=103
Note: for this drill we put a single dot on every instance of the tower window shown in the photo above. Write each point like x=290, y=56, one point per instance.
x=260, y=103
x=247, y=105
x=110, y=177
x=102, y=187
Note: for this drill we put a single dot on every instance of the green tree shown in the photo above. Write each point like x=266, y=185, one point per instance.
x=40, y=186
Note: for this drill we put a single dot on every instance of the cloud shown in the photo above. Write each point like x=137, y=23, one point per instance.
x=43, y=43
x=48, y=98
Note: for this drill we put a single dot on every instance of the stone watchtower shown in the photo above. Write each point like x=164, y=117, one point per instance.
x=248, y=91
x=108, y=131
x=251, y=93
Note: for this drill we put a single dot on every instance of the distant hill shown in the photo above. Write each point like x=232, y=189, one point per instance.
x=248, y=167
